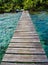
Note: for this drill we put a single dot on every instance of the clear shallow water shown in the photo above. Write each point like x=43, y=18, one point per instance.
x=8, y=23
x=41, y=24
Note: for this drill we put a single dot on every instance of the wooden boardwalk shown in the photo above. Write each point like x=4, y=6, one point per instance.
x=25, y=47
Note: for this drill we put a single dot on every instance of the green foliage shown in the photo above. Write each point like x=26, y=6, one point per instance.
x=12, y=5
x=36, y=4
x=17, y=7
x=28, y=4
x=8, y=7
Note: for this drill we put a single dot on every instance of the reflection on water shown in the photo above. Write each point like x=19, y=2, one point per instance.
x=41, y=24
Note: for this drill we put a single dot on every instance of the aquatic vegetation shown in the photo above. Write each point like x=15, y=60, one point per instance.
x=8, y=23
x=40, y=22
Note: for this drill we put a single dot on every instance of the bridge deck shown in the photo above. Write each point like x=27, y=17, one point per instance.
x=25, y=47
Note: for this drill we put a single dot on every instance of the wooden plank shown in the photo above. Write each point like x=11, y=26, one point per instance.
x=26, y=26
x=5, y=63
x=15, y=64
x=25, y=29
x=36, y=37
x=24, y=58
x=25, y=51
x=18, y=35
x=25, y=45
x=26, y=23
x=25, y=40
x=25, y=33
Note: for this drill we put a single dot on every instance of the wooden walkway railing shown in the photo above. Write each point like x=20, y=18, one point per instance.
x=25, y=47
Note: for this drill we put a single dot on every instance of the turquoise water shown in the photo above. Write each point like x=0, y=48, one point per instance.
x=8, y=23
x=40, y=22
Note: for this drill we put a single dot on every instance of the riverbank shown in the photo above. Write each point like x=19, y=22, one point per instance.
x=37, y=12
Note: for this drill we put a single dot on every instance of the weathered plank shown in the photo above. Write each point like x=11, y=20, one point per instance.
x=22, y=35
x=25, y=51
x=25, y=45
x=25, y=40
x=5, y=63
x=25, y=33
x=27, y=37
x=24, y=58
x=25, y=30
